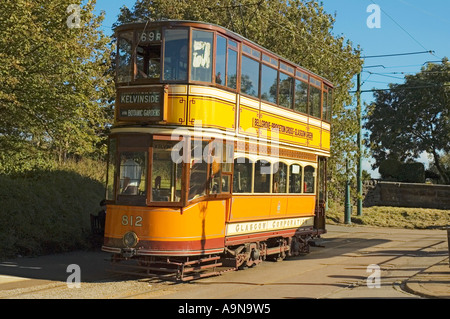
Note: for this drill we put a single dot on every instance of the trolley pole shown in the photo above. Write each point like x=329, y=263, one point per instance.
x=348, y=207
x=359, y=141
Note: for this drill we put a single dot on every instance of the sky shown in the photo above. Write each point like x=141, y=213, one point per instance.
x=409, y=27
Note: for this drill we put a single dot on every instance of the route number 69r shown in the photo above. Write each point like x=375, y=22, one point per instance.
x=130, y=221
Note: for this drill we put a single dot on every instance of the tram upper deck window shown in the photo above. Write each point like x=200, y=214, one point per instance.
x=301, y=96
x=327, y=104
x=166, y=173
x=124, y=57
x=286, y=94
x=226, y=62
x=249, y=76
x=148, y=54
x=202, y=49
x=175, y=54
x=232, y=67
x=269, y=84
x=221, y=59
x=315, y=98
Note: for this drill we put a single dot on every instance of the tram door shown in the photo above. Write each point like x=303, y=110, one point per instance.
x=319, y=220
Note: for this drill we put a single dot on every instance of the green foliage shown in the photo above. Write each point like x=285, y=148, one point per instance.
x=394, y=170
x=54, y=83
x=412, y=173
x=413, y=118
x=47, y=211
x=389, y=169
x=298, y=30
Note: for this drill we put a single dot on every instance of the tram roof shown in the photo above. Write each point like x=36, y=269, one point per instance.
x=212, y=27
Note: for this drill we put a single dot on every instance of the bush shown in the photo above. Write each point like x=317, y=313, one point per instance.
x=46, y=211
x=389, y=169
x=412, y=173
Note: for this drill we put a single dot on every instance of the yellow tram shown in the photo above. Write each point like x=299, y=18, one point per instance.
x=218, y=151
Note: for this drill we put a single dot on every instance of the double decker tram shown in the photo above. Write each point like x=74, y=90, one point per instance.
x=218, y=152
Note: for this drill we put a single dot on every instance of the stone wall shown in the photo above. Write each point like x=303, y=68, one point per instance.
x=394, y=194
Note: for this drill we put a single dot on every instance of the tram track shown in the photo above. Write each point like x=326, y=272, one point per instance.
x=337, y=270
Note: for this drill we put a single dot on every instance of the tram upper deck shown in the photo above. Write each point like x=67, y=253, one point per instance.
x=194, y=74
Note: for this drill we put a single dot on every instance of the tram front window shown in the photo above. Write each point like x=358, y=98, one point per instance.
x=124, y=57
x=166, y=174
x=148, y=62
x=133, y=173
x=175, y=54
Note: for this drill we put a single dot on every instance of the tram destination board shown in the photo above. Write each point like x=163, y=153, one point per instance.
x=141, y=104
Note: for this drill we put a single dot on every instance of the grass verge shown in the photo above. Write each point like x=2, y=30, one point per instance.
x=398, y=217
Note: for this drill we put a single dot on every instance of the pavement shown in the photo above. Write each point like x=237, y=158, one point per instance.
x=433, y=282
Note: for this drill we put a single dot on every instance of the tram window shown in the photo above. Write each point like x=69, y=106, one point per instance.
x=286, y=94
x=215, y=153
x=133, y=172
x=249, y=76
x=295, y=179
x=221, y=59
x=199, y=170
x=327, y=105
x=269, y=84
x=301, y=96
x=124, y=57
x=166, y=174
x=309, y=181
x=232, y=68
x=175, y=54
x=314, y=101
x=148, y=61
x=242, y=178
x=262, y=177
x=227, y=156
x=201, y=68
x=111, y=169
x=279, y=178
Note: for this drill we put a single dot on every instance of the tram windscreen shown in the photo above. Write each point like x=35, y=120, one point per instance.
x=133, y=168
x=166, y=173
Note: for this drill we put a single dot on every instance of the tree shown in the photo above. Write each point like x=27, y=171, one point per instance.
x=54, y=84
x=412, y=118
x=298, y=30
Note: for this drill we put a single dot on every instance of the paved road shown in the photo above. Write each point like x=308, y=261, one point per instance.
x=338, y=270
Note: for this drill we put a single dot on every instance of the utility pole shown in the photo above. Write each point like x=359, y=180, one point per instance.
x=359, y=116
x=359, y=141
x=348, y=206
